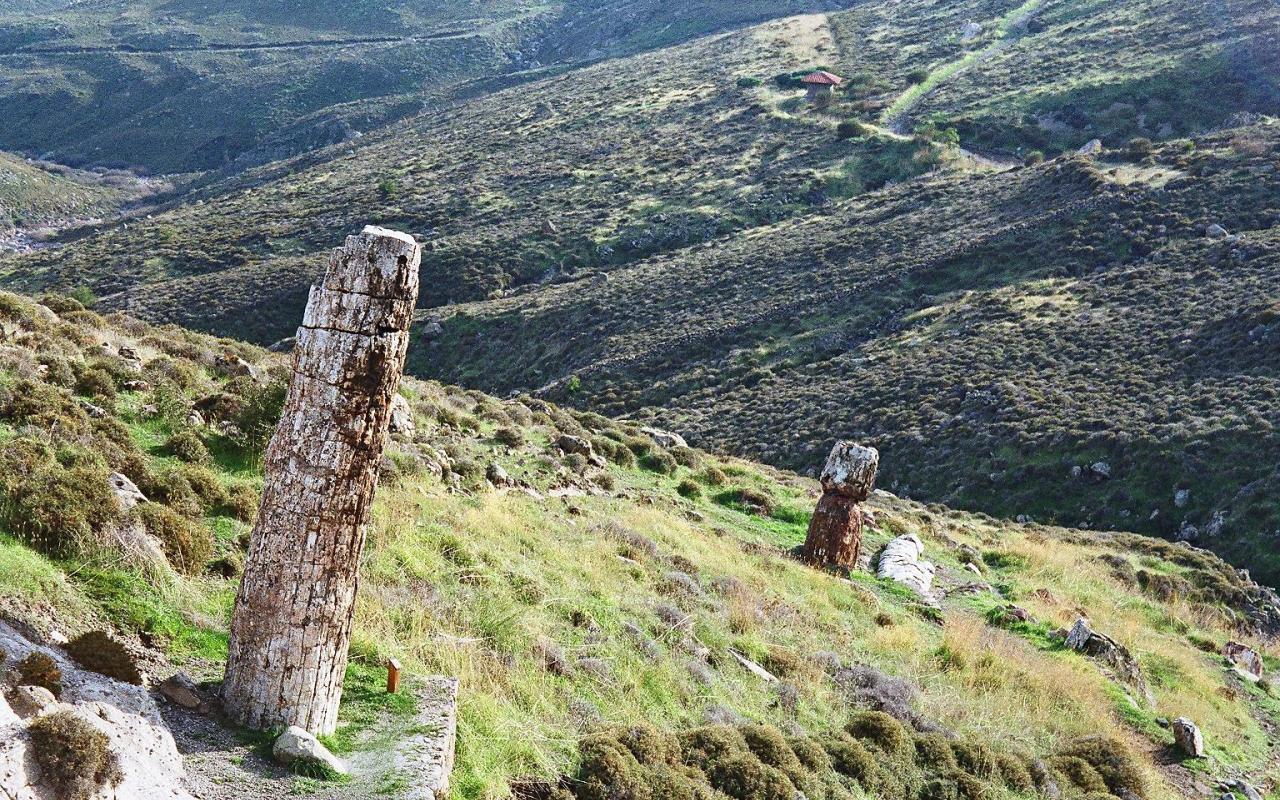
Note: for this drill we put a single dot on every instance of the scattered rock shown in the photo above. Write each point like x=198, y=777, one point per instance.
x=233, y=366
x=284, y=345
x=1245, y=659
x=401, y=422
x=432, y=330
x=28, y=702
x=574, y=444
x=1215, y=231
x=295, y=744
x=970, y=31
x=1101, y=470
x=901, y=562
x=1091, y=147
x=752, y=667
x=665, y=438
x=1181, y=497
x=181, y=691
x=1188, y=737
x=127, y=494
x=498, y=476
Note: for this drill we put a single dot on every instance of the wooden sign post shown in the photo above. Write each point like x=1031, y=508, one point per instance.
x=393, y=676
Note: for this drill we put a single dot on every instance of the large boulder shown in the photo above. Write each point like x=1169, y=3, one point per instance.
x=901, y=562
x=1188, y=737
x=149, y=762
x=295, y=744
x=851, y=471
x=665, y=439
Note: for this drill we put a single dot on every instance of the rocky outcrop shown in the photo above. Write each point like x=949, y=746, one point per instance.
x=401, y=423
x=150, y=767
x=665, y=439
x=901, y=562
x=1245, y=659
x=1111, y=654
x=835, y=531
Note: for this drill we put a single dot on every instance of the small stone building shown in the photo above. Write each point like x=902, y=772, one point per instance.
x=821, y=83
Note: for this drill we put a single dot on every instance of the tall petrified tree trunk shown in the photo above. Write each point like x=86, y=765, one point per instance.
x=835, y=532
x=292, y=620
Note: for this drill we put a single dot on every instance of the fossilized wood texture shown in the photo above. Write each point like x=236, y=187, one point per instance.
x=835, y=533
x=292, y=619
x=851, y=470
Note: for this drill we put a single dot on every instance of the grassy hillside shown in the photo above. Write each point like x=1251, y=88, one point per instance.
x=679, y=235
x=584, y=601
x=178, y=87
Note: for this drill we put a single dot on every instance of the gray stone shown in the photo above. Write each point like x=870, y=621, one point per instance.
x=575, y=444
x=31, y=701
x=1101, y=469
x=295, y=744
x=1110, y=653
x=127, y=494
x=1215, y=231
x=1181, y=497
x=427, y=756
x=1091, y=147
x=970, y=31
x=752, y=667
x=1188, y=737
x=1245, y=659
x=402, y=423
x=181, y=690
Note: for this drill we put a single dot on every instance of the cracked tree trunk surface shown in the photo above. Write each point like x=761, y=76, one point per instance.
x=292, y=620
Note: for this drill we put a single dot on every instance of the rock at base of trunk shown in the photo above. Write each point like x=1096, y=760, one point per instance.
x=295, y=744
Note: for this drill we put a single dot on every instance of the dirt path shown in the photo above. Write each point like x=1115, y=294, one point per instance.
x=1009, y=29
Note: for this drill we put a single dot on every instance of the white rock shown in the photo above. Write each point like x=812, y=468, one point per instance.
x=295, y=744
x=1181, y=497
x=1091, y=147
x=150, y=765
x=850, y=470
x=127, y=494
x=1215, y=231
x=901, y=562
x=665, y=439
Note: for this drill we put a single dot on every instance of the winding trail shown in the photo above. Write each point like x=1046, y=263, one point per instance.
x=1009, y=29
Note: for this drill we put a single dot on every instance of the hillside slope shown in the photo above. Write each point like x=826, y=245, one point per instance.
x=579, y=600
x=176, y=87
x=680, y=231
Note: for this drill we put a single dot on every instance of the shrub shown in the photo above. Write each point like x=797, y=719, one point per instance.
x=714, y=476
x=851, y=129
x=689, y=489
x=509, y=437
x=104, y=655
x=1078, y=773
x=74, y=757
x=975, y=758
x=39, y=669
x=55, y=506
x=186, y=445
x=934, y=753
x=1033, y=158
x=748, y=82
x=259, y=413
x=206, y=486
x=783, y=662
x=188, y=545
x=1113, y=761
x=242, y=502
x=743, y=777
x=686, y=457
x=851, y=758
x=97, y=383
x=1014, y=772
x=659, y=461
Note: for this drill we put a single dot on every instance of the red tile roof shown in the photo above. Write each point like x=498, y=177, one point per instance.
x=823, y=78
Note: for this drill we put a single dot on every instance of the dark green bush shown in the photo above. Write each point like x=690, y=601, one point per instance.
x=186, y=445
x=242, y=502
x=689, y=489
x=659, y=461
x=57, y=502
x=74, y=756
x=187, y=544
x=1112, y=760
x=96, y=383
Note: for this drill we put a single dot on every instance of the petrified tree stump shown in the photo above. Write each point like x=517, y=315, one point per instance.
x=835, y=532
x=292, y=620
